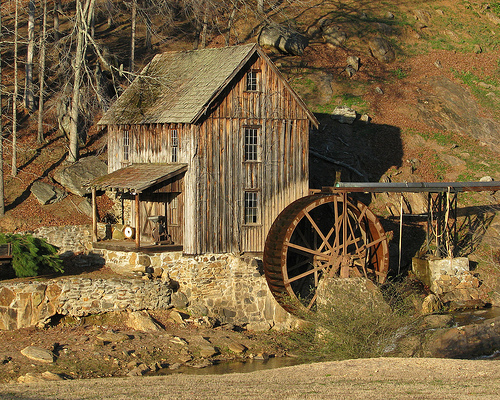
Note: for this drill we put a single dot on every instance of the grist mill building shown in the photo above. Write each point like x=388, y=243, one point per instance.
x=213, y=143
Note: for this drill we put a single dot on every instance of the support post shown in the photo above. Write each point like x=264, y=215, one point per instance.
x=94, y=215
x=137, y=222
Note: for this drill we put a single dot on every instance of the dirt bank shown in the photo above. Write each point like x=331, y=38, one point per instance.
x=382, y=378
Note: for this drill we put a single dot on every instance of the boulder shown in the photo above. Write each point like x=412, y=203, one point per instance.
x=344, y=115
x=382, y=50
x=283, y=39
x=46, y=193
x=179, y=300
x=465, y=341
x=333, y=36
x=75, y=176
x=113, y=337
x=142, y=321
x=353, y=62
x=38, y=354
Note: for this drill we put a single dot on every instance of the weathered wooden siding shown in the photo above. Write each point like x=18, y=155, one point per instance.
x=279, y=177
x=218, y=175
x=149, y=143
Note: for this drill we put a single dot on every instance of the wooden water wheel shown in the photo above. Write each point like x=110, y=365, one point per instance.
x=318, y=236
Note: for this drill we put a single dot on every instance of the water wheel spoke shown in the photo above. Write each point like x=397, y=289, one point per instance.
x=352, y=237
x=302, y=236
x=313, y=300
x=298, y=265
x=328, y=236
x=318, y=230
x=366, y=246
x=304, y=250
x=313, y=270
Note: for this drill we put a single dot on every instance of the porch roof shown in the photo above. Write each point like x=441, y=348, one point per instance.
x=138, y=177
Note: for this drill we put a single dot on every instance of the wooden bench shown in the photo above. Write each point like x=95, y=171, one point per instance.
x=5, y=254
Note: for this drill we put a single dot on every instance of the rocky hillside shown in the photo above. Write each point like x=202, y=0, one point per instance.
x=420, y=79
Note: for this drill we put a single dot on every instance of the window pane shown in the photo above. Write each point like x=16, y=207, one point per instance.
x=252, y=80
x=174, y=144
x=126, y=145
x=251, y=208
x=250, y=144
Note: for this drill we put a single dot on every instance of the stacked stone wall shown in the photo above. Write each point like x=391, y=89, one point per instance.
x=25, y=304
x=69, y=239
x=226, y=286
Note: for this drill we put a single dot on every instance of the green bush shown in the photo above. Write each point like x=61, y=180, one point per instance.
x=32, y=256
x=353, y=319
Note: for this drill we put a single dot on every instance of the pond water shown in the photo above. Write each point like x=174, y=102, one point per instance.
x=232, y=367
x=469, y=317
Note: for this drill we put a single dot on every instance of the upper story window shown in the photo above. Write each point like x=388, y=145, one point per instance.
x=251, y=144
x=174, y=144
x=252, y=81
x=126, y=145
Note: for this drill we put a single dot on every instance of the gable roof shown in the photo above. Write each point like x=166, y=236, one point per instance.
x=178, y=87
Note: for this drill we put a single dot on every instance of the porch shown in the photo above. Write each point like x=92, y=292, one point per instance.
x=157, y=207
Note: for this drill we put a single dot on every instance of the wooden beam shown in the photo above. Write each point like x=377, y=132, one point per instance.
x=94, y=215
x=137, y=222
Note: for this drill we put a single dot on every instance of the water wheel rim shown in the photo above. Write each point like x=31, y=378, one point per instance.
x=330, y=257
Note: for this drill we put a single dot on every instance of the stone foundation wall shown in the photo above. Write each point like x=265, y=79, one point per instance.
x=226, y=286
x=25, y=304
x=70, y=238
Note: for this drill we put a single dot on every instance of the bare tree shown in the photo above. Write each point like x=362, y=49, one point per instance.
x=14, y=96
x=41, y=72
x=29, y=99
x=2, y=203
x=57, y=13
x=132, y=34
x=84, y=14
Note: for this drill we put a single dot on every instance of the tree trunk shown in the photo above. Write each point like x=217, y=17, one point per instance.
x=132, y=35
x=2, y=203
x=14, y=99
x=260, y=6
x=41, y=73
x=57, y=12
x=205, y=27
x=29, y=100
x=77, y=69
x=230, y=23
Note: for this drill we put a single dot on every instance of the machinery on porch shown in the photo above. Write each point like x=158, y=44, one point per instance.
x=329, y=234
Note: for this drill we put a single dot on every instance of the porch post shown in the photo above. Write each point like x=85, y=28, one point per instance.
x=94, y=215
x=137, y=222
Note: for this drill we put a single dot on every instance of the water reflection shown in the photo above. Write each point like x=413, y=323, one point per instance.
x=232, y=367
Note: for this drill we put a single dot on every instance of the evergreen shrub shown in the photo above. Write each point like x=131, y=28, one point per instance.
x=32, y=256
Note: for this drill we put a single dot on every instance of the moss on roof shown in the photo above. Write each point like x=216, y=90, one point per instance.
x=176, y=86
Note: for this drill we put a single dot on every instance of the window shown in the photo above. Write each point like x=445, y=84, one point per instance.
x=174, y=144
x=251, y=144
x=252, y=81
x=251, y=207
x=126, y=145
x=174, y=211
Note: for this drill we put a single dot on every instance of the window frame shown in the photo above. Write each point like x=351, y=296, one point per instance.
x=174, y=145
x=126, y=145
x=252, y=80
x=251, y=207
x=251, y=150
